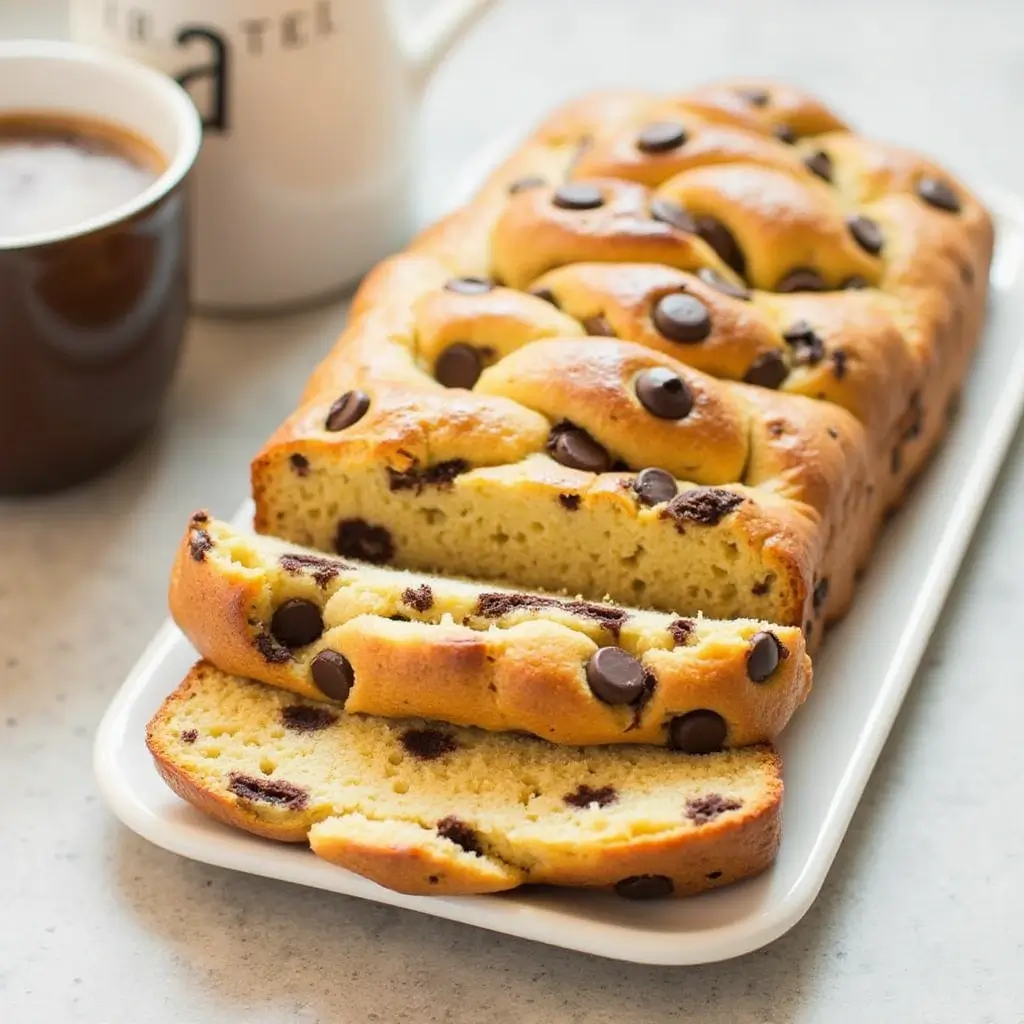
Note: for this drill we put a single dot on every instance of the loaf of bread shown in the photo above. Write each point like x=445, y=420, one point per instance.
x=425, y=808
x=399, y=644
x=681, y=352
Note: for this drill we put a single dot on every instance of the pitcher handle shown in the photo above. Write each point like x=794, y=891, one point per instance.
x=436, y=33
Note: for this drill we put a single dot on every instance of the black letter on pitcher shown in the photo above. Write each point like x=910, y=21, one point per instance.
x=216, y=116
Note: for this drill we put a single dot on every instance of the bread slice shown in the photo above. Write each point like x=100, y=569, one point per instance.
x=396, y=643
x=428, y=808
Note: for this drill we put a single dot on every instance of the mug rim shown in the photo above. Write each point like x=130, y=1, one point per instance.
x=168, y=91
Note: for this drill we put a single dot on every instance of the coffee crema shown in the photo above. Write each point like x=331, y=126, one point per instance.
x=59, y=171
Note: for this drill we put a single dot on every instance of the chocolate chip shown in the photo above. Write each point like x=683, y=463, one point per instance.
x=820, y=163
x=703, y=809
x=199, y=542
x=547, y=295
x=855, y=283
x=189, y=736
x=497, y=605
x=615, y=676
x=866, y=233
x=820, y=593
x=458, y=832
x=704, y=505
x=297, y=623
x=440, y=475
x=570, y=502
x=754, y=95
x=458, y=366
x=785, y=134
x=525, y=183
x=808, y=348
x=348, y=409
x=652, y=486
x=673, y=215
x=421, y=598
x=584, y=796
x=768, y=370
x=763, y=656
x=268, y=791
x=577, y=196
x=199, y=518
x=644, y=887
x=721, y=239
x=833, y=433
x=272, y=651
x=839, y=363
x=576, y=449
x=697, y=732
x=469, y=285
x=323, y=569
x=598, y=326
x=660, y=137
x=714, y=279
x=299, y=463
x=306, y=718
x=801, y=279
x=937, y=193
x=682, y=317
x=356, y=538
x=332, y=672
x=428, y=744
x=664, y=394
x=681, y=630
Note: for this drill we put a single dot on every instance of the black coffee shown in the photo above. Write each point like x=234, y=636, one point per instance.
x=58, y=171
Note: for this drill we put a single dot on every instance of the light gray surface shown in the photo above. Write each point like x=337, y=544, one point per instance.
x=922, y=918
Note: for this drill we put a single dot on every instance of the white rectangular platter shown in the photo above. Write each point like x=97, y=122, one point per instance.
x=861, y=677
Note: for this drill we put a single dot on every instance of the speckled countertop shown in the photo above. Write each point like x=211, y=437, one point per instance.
x=922, y=917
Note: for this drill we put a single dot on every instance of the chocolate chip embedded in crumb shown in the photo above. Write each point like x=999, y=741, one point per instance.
x=697, y=732
x=584, y=796
x=866, y=233
x=498, y=605
x=296, y=623
x=458, y=832
x=357, y=538
x=306, y=718
x=681, y=317
x=763, y=656
x=199, y=542
x=820, y=593
x=577, y=196
x=673, y=215
x=272, y=651
x=653, y=486
x=421, y=598
x=801, y=279
x=189, y=736
x=323, y=569
x=268, y=791
x=299, y=463
x=661, y=137
x=441, y=475
x=722, y=240
x=784, y=133
x=820, y=163
x=469, y=285
x=570, y=502
x=702, y=809
x=681, y=630
x=333, y=675
x=527, y=182
x=614, y=676
x=768, y=370
x=644, y=887
x=663, y=393
x=348, y=409
x=807, y=347
x=428, y=744
x=707, y=506
x=598, y=326
x=713, y=279
x=937, y=193
x=458, y=366
x=575, y=448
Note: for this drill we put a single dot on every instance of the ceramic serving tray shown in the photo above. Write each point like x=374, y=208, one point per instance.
x=829, y=749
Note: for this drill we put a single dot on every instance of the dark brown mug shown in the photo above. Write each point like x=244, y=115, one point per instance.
x=92, y=318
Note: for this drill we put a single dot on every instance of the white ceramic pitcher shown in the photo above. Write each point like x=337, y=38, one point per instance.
x=309, y=110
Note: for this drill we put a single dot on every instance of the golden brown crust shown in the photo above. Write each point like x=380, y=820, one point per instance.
x=514, y=668
x=868, y=367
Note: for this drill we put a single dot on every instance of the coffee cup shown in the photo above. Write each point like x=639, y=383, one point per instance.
x=309, y=113
x=95, y=153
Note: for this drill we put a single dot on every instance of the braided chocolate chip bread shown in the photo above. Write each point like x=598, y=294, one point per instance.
x=393, y=643
x=432, y=809
x=682, y=352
